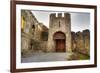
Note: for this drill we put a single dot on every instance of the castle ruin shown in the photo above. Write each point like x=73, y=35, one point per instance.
x=36, y=37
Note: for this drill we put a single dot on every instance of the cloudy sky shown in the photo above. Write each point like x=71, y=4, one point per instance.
x=79, y=21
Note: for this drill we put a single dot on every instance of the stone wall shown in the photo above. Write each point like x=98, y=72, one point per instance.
x=31, y=31
x=81, y=41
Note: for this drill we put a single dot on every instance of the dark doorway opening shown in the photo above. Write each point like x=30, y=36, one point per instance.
x=60, y=45
x=59, y=38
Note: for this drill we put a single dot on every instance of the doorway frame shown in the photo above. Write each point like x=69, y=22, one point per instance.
x=61, y=37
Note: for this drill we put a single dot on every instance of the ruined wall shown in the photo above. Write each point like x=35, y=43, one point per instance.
x=26, y=32
x=73, y=41
x=62, y=24
x=81, y=41
x=86, y=36
x=31, y=31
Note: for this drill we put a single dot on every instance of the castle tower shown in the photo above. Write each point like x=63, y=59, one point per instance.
x=59, y=38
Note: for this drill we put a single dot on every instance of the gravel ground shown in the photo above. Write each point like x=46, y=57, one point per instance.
x=45, y=57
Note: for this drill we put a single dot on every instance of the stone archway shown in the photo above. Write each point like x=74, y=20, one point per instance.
x=59, y=38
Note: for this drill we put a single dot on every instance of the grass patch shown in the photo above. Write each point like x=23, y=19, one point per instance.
x=83, y=57
x=78, y=56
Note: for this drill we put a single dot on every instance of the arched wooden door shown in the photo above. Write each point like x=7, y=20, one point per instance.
x=59, y=39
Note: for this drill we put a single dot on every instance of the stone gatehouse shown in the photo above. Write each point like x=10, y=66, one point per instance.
x=59, y=38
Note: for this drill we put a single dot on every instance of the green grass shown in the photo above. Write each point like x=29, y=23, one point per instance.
x=79, y=56
x=83, y=57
